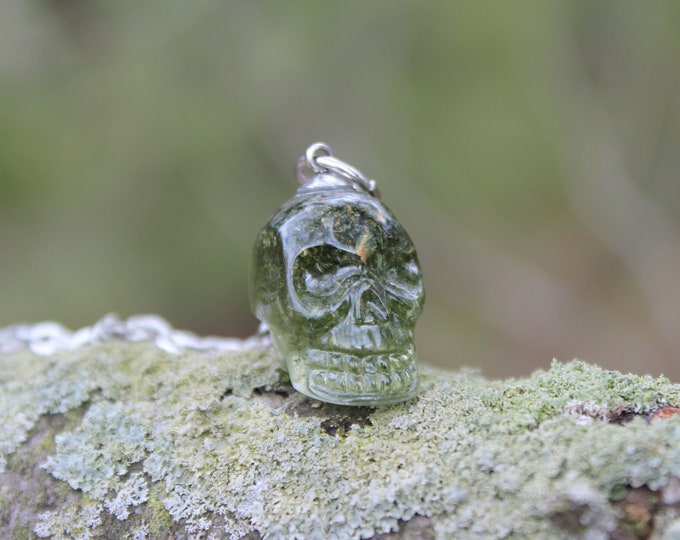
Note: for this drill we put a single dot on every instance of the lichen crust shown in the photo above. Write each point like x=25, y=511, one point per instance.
x=218, y=445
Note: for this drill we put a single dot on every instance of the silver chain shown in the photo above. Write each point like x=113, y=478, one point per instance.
x=49, y=337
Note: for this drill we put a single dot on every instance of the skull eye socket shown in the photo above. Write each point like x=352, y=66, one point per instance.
x=320, y=277
x=403, y=282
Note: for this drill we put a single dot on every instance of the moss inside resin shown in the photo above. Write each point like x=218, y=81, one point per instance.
x=337, y=280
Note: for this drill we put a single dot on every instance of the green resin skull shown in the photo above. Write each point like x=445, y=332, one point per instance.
x=336, y=279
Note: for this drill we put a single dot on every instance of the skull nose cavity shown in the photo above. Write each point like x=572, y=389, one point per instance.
x=368, y=305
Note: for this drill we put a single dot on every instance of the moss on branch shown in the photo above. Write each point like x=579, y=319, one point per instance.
x=123, y=440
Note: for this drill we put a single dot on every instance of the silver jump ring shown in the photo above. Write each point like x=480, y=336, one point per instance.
x=314, y=152
x=319, y=159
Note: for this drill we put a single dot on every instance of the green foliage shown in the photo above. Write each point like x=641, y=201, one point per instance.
x=144, y=145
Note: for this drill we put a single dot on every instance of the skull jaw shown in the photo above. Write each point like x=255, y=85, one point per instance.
x=347, y=378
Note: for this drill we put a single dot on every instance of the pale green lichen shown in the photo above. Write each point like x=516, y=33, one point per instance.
x=73, y=522
x=217, y=445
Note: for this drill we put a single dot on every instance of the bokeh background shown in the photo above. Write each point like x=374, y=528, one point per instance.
x=531, y=149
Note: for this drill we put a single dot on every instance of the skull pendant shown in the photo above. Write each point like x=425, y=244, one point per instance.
x=336, y=279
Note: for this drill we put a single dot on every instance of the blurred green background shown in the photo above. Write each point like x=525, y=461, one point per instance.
x=531, y=149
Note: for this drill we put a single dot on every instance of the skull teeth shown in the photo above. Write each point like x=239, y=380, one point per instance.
x=345, y=374
x=347, y=362
x=352, y=383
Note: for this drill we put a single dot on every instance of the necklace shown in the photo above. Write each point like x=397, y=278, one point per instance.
x=47, y=338
x=336, y=279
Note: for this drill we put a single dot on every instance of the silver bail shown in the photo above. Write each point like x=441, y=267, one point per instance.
x=319, y=160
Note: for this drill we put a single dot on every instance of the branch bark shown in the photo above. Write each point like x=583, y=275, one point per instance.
x=122, y=440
